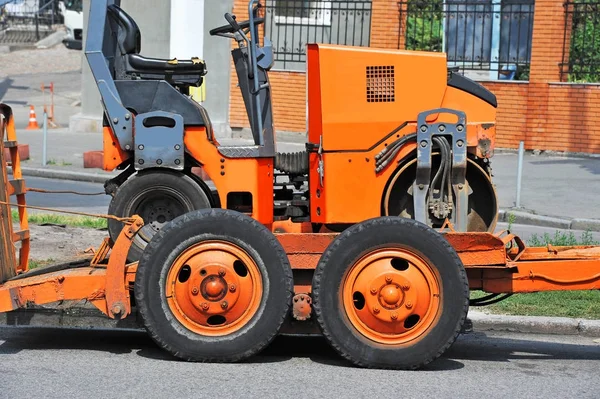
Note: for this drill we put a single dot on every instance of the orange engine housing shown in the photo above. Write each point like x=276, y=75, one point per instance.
x=357, y=98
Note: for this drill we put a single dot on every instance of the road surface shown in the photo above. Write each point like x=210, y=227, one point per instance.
x=127, y=364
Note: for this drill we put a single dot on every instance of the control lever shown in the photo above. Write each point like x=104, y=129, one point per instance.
x=231, y=19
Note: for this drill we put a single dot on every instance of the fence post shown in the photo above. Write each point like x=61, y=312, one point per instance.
x=37, y=26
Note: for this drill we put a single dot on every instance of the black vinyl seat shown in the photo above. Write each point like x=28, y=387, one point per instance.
x=136, y=66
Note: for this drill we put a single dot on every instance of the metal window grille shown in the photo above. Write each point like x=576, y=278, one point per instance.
x=581, y=46
x=489, y=38
x=291, y=24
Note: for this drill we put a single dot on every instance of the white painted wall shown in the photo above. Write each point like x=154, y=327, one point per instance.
x=187, y=28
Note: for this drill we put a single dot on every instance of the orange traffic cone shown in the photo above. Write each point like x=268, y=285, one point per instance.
x=33, y=125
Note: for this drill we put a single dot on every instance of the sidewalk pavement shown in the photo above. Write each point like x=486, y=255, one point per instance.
x=557, y=191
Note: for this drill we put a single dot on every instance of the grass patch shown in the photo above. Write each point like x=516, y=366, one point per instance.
x=71, y=221
x=562, y=239
x=34, y=264
x=584, y=304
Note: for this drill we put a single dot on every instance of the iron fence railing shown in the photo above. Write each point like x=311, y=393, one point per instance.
x=28, y=21
x=581, y=46
x=491, y=38
x=291, y=24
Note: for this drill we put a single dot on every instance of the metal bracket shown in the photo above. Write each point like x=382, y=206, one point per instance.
x=425, y=134
x=119, y=118
x=159, y=141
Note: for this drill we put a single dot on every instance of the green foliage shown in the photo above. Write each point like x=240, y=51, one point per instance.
x=584, y=55
x=424, y=28
x=561, y=239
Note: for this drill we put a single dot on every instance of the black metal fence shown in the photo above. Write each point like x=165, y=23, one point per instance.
x=28, y=21
x=491, y=37
x=291, y=24
x=581, y=47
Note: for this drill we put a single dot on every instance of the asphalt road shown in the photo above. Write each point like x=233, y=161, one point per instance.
x=125, y=364
x=93, y=204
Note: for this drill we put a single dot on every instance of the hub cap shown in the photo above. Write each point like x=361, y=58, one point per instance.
x=391, y=296
x=214, y=288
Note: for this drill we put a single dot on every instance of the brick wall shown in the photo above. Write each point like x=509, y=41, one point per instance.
x=543, y=112
x=511, y=120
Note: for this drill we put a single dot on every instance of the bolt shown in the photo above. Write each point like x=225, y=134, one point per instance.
x=424, y=128
x=159, y=161
x=394, y=316
x=376, y=310
x=177, y=147
x=204, y=306
x=406, y=287
x=141, y=147
x=127, y=147
x=127, y=116
x=61, y=279
x=116, y=120
x=424, y=143
x=116, y=310
x=195, y=291
x=221, y=272
x=442, y=128
x=141, y=161
x=409, y=305
x=421, y=186
x=224, y=305
x=388, y=279
x=222, y=173
x=373, y=291
x=177, y=162
x=460, y=128
x=460, y=186
x=232, y=288
x=460, y=143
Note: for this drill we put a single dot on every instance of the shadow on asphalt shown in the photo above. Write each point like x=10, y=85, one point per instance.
x=478, y=346
x=471, y=346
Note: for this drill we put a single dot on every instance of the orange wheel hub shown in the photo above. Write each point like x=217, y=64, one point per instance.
x=214, y=288
x=391, y=296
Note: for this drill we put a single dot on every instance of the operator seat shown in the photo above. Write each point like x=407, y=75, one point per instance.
x=131, y=65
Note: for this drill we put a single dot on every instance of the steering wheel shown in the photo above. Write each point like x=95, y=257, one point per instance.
x=234, y=26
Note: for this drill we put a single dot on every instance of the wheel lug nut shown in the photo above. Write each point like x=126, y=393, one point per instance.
x=406, y=287
x=376, y=310
x=221, y=272
x=394, y=316
x=388, y=279
x=224, y=305
x=373, y=291
x=195, y=291
x=409, y=305
x=232, y=288
x=204, y=306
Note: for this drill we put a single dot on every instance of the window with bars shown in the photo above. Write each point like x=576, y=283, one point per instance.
x=292, y=24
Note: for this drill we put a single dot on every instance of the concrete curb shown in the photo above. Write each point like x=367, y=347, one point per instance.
x=51, y=40
x=534, y=324
x=65, y=175
x=531, y=219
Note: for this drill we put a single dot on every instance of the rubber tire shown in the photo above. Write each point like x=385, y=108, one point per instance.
x=180, y=234
x=122, y=202
x=354, y=243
